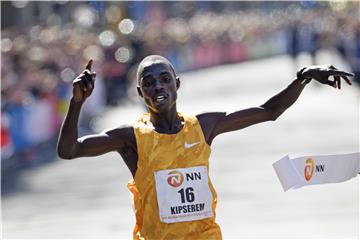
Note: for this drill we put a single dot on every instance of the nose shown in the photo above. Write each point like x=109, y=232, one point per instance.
x=158, y=85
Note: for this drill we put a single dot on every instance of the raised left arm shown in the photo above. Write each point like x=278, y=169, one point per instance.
x=216, y=123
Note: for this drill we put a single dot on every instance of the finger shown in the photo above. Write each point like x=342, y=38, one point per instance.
x=347, y=80
x=88, y=79
x=89, y=83
x=330, y=83
x=92, y=82
x=86, y=71
x=83, y=86
x=341, y=73
x=78, y=84
x=334, y=85
x=87, y=75
x=79, y=77
x=76, y=80
x=338, y=82
x=89, y=91
x=93, y=76
x=88, y=66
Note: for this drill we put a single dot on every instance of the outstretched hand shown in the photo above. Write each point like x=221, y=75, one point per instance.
x=83, y=84
x=321, y=73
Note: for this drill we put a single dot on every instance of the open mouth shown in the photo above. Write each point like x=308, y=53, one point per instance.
x=160, y=98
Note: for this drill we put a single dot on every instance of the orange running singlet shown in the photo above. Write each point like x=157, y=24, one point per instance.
x=173, y=194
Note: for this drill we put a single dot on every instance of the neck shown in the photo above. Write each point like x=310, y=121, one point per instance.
x=166, y=122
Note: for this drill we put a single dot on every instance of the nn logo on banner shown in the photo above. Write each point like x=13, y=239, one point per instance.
x=309, y=169
x=303, y=171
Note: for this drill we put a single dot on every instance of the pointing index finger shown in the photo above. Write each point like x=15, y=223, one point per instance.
x=88, y=66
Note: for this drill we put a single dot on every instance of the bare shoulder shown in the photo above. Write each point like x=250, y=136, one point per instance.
x=208, y=122
x=209, y=118
x=123, y=133
x=124, y=138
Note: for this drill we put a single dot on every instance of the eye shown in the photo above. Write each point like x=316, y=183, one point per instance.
x=166, y=79
x=147, y=83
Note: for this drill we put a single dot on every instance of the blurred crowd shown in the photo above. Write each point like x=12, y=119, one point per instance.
x=45, y=45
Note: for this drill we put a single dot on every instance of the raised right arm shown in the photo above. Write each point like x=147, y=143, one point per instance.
x=67, y=146
x=70, y=146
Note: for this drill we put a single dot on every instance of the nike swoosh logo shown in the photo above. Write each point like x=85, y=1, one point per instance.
x=189, y=145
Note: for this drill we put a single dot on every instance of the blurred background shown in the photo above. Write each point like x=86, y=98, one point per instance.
x=242, y=52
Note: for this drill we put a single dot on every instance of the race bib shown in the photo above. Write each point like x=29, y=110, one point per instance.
x=183, y=194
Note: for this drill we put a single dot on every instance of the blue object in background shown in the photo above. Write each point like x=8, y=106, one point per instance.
x=308, y=4
x=17, y=115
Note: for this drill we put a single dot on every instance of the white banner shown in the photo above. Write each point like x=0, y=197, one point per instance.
x=310, y=170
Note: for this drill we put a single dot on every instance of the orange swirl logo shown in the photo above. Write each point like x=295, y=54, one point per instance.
x=175, y=178
x=309, y=169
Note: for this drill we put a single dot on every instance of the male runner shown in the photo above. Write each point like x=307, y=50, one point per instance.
x=167, y=152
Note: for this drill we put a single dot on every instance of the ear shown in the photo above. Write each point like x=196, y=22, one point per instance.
x=139, y=91
x=177, y=83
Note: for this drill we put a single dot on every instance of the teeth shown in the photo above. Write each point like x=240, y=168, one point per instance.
x=159, y=98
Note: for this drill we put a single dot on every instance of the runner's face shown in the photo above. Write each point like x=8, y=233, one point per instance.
x=158, y=86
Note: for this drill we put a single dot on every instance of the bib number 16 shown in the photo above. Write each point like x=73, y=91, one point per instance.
x=187, y=194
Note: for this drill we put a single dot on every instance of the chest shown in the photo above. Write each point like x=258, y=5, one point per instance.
x=172, y=152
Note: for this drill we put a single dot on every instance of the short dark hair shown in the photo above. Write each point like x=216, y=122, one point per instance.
x=150, y=60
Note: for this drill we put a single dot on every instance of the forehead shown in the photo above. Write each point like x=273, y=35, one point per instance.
x=155, y=68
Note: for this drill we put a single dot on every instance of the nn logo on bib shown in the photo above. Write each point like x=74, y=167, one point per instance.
x=309, y=169
x=175, y=178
